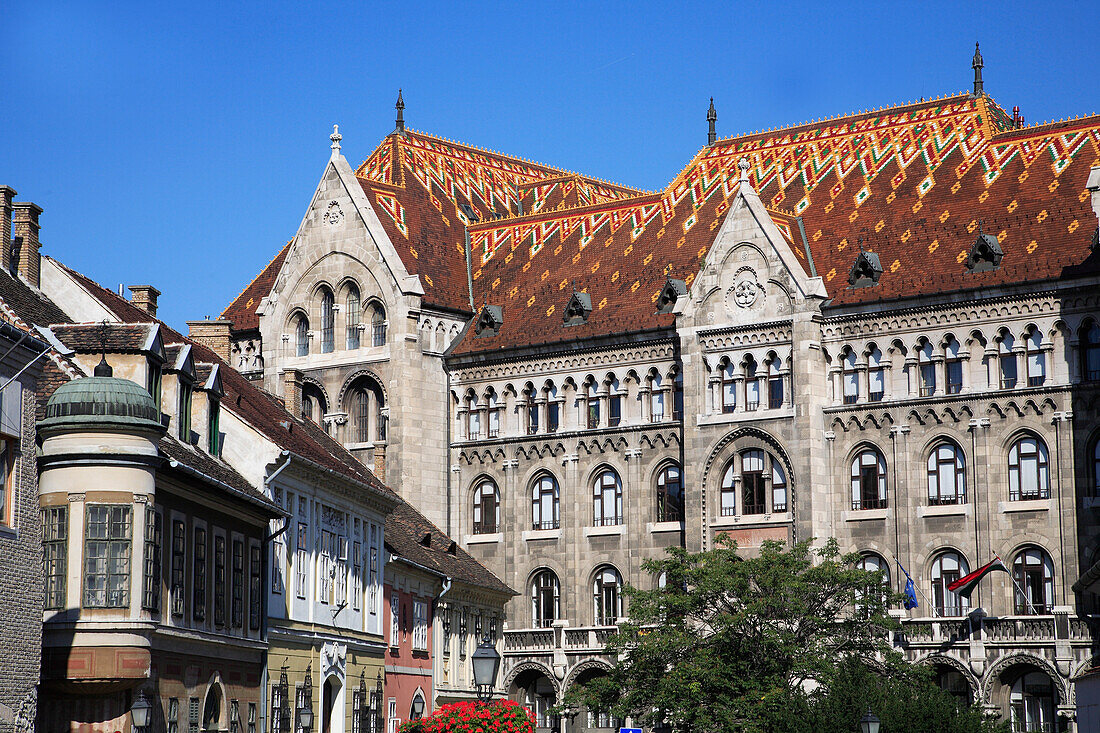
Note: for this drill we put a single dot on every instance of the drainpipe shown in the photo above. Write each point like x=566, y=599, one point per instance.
x=263, y=596
x=469, y=268
x=447, y=419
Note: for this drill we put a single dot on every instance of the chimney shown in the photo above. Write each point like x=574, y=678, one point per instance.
x=212, y=334
x=7, y=193
x=24, y=226
x=145, y=297
x=292, y=391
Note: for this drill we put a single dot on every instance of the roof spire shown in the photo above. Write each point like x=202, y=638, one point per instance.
x=400, y=107
x=712, y=117
x=335, y=137
x=979, y=85
x=103, y=369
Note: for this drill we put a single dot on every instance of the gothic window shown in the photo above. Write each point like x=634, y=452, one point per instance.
x=775, y=382
x=378, y=324
x=678, y=396
x=492, y=413
x=473, y=417
x=361, y=401
x=850, y=377
x=752, y=385
x=367, y=403
x=876, y=375
x=327, y=325
x=486, y=508
x=656, y=399
x=1090, y=352
x=545, y=598
x=352, y=317
x=592, y=405
x=301, y=336
x=670, y=495
x=544, y=503
x=869, y=480
x=607, y=596
x=926, y=370
x=946, y=475
x=754, y=469
x=1031, y=702
x=614, y=402
x=1028, y=470
x=1006, y=361
x=1036, y=362
x=873, y=563
x=313, y=404
x=1033, y=571
x=607, y=499
x=953, y=366
x=948, y=567
x=553, y=407
x=729, y=388
x=531, y=414
x=729, y=491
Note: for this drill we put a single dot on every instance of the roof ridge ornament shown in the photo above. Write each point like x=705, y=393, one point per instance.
x=977, y=65
x=400, y=107
x=335, y=137
x=103, y=369
x=712, y=117
x=744, y=165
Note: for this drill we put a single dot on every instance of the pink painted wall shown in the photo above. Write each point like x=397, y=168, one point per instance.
x=407, y=670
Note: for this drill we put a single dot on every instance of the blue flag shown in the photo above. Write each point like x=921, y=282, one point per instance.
x=910, y=590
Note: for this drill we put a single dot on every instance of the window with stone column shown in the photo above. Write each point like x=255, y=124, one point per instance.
x=1035, y=361
x=849, y=377
x=352, y=318
x=953, y=365
x=876, y=375
x=1008, y=364
x=614, y=400
x=328, y=324
x=752, y=384
x=776, y=377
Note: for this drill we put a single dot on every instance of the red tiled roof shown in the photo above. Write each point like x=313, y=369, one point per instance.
x=242, y=311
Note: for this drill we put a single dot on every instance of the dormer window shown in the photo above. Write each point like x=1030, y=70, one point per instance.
x=670, y=293
x=213, y=431
x=489, y=321
x=985, y=255
x=186, y=390
x=866, y=270
x=154, y=381
x=577, y=309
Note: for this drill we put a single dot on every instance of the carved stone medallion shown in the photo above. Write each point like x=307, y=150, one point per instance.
x=334, y=215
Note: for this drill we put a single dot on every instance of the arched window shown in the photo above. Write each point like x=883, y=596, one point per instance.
x=1028, y=470
x=553, y=407
x=1031, y=702
x=874, y=563
x=752, y=385
x=607, y=499
x=670, y=495
x=352, y=318
x=492, y=413
x=607, y=596
x=927, y=370
x=946, y=569
x=378, y=325
x=656, y=398
x=545, y=598
x=314, y=406
x=1006, y=360
x=754, y=469
x=368, y=403
x=544, y=503
x=850, y=377
x=869, y=480
x=876, y=375
x=1090, y=352
x=473, y=418
x=417, y=704
x=614, y=401
x=532, y=411
x=1033, y=571
x=301, y=336
x=775, y=382
x=486, y=508
x=953, y=366
x=729, y=388
x=327, y=322
x=1036, y=359
x=592, y=405
x=946, y=475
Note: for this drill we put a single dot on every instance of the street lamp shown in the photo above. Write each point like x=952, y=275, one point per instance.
x=486, y=662
x=305, y=718
x=869, y=723
x=139, y=712
x=418, y=707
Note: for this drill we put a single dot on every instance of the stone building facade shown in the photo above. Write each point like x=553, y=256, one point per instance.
x=881, y=327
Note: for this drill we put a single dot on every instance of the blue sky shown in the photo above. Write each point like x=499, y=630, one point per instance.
x=178, y=144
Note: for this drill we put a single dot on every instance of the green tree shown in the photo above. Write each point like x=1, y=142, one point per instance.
x=729, y=643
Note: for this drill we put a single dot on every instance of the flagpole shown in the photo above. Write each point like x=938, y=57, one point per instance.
x=931, y=605
x=1020, y=590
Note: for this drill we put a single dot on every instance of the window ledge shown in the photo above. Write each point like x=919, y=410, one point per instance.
x=664, y=526
x=761, y=413
x=482, y=539
x=859, y=515
x=751, y=519
x=8, y=532
x=1028, y=505
x=614, y=530
x=944, y=510
x=360, y=446
x=541, y=534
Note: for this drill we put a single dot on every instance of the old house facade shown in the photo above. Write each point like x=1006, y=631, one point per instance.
x=881, y=327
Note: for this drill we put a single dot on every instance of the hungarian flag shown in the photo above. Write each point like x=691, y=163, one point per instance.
x=965, y=585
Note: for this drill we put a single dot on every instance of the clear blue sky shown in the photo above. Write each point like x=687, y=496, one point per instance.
x=178, y=144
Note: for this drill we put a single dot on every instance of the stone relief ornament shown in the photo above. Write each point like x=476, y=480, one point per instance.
x=334, y=658
x=744, y=293
x=746, y=290
x=334, y=215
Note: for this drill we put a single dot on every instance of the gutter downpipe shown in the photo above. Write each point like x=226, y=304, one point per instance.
x=263, y=596
x=469, y=267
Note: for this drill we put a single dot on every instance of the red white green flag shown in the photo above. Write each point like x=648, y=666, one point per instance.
x=965, y=585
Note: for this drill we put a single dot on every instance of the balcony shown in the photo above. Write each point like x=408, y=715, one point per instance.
x=560, y=648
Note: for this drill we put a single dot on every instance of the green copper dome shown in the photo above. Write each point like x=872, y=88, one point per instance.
x=101, y=401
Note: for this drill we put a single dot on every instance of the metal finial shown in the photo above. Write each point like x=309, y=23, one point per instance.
x=103, y=369
x=400, y=107
x=977, y=65
x=712, y=117
x=336, y=137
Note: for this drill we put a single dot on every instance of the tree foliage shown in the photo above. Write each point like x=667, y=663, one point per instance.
x=731, y=642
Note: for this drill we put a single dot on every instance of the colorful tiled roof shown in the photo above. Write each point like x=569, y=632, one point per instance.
x=242, y=311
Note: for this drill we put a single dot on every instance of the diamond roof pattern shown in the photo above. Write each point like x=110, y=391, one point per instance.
x=917, y=183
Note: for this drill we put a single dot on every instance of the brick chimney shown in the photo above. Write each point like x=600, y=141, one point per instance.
x=212, y=334
x=7, y=193
x=292, y=391
x=145, y=297
x=24, y=224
